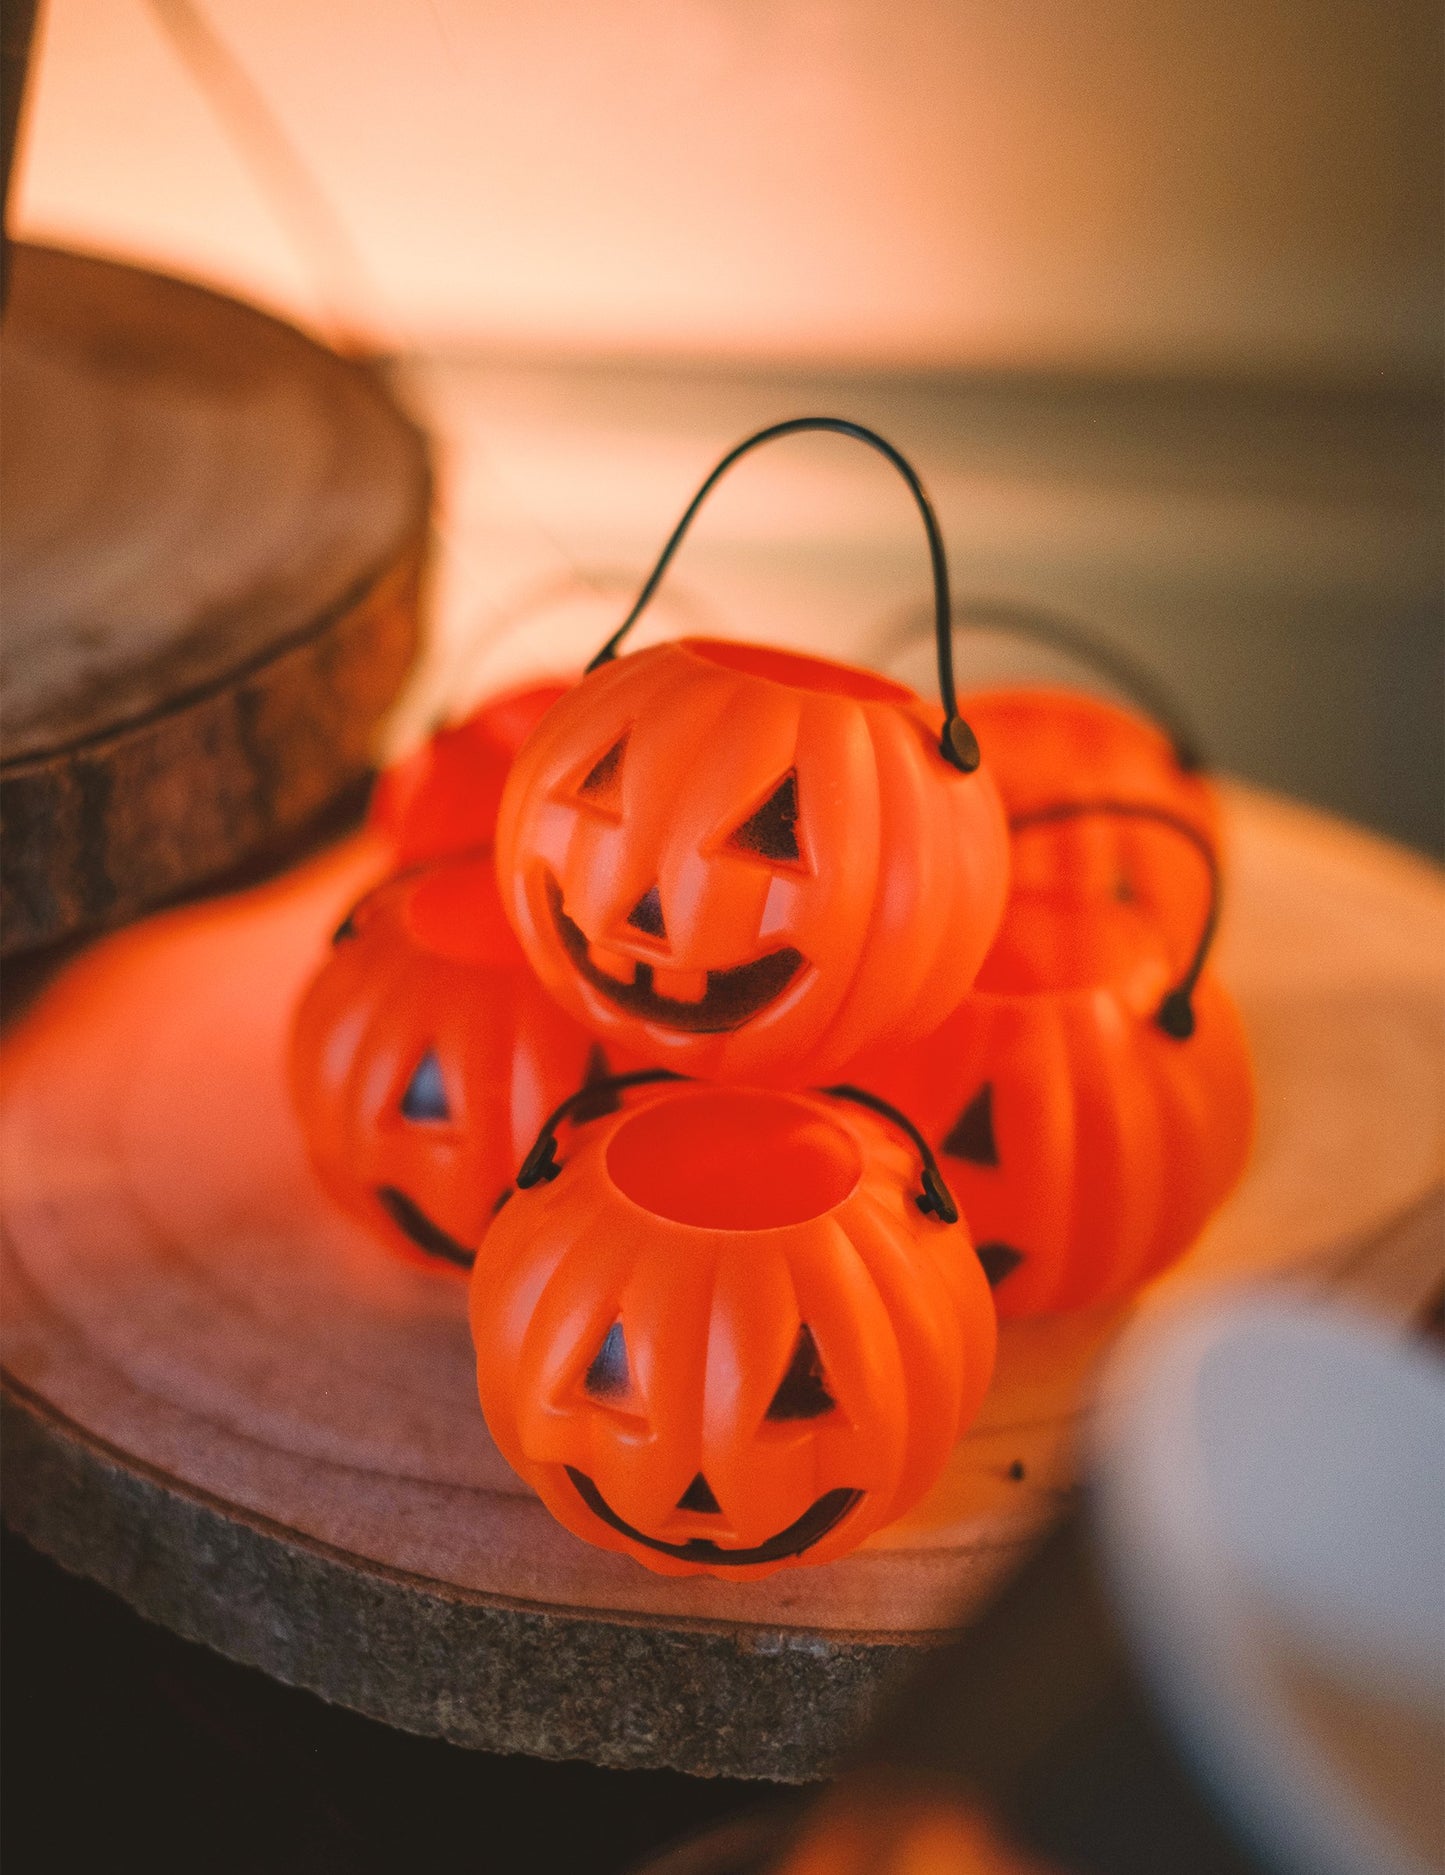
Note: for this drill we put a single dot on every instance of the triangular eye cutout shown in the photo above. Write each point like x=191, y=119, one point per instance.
x=972, y=1135
x=601, y=786
x=646, y=914
x=772, y=832
x=801, y=1393
x=609, y=1376
x=426, y=1094
x=998, y=1260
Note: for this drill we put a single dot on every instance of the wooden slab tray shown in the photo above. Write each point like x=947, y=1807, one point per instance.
x=214, y=530
x=230, y=1405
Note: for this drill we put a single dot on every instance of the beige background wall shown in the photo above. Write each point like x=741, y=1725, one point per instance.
x=1140, y=183
x=613, y=235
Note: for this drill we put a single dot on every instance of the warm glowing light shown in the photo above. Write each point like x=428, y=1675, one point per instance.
x=1053, y=185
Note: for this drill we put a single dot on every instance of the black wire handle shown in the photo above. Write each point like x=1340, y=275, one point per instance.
x=957, y=744
x=935, y=1199
x=1175, y=1014
x=540, y=1163
x=1137, y=682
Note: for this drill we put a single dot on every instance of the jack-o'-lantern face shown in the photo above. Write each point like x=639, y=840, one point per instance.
x=698, y=1532
x=424, y=1057
x=725, y=1338
x=740, y=862
x=1088, y=1148
x=1087, y=1130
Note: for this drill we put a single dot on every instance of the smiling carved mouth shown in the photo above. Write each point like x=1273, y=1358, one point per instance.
x=426, y=1235
x=814, y=1524
x=732, y=997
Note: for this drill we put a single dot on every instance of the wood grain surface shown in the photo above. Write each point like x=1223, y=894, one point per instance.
x=213, y=538
x=228, y=1403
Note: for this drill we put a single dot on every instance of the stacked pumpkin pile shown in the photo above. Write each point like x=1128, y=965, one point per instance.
x=737, y=1320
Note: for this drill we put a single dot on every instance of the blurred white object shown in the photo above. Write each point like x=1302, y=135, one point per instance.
x=1271, y=1499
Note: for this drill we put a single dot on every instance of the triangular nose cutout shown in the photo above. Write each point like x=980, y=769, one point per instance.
x=698, y=1496
x=646, y=914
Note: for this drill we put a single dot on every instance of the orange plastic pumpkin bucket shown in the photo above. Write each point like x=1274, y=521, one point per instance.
x=1046, y=743
x=748, y=864
x=1092, y=1100
x=733, y=1330
x=424, y=1056
x=1047, y=747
